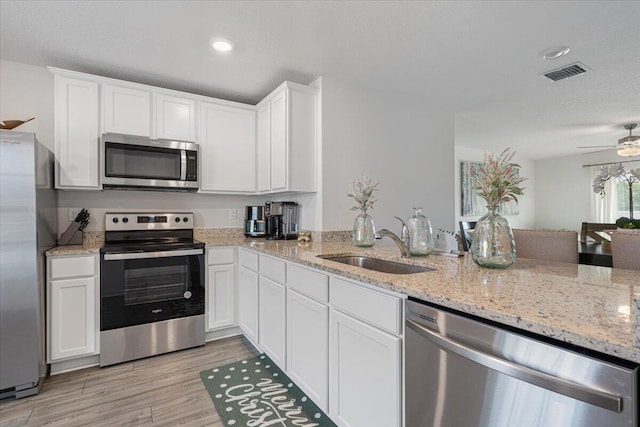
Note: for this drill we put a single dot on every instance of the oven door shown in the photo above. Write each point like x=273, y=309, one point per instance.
x=145, y=287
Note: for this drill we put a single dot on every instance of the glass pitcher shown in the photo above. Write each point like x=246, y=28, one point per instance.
x=420, y=234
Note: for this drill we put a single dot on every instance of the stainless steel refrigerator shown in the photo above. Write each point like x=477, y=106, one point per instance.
x=28, y=227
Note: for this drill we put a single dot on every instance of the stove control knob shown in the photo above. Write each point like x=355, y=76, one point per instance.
x=177, y=219
x=115, y=220
x=185, y=219
x=187, y=295
x=125, y=219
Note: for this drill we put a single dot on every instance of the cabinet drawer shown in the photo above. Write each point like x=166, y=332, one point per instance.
x=374, y=307
x=248, y=259
x=272, y=268
x=309, y=283
x=218, y=256
x=72, y=267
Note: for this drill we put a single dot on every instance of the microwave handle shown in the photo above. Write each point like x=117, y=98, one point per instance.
x=183, y=165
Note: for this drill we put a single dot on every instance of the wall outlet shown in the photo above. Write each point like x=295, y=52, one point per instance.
x=73, y=213
x=233, y=213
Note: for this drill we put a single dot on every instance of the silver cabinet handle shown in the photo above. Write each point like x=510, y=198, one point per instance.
x=160, y=254
x=592, y=396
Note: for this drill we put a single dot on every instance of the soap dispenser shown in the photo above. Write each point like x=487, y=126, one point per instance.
x=420, y=234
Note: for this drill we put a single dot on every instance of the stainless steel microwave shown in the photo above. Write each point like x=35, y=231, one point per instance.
x=138, y=163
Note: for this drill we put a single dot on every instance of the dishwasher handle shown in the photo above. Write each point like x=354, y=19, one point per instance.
x=592, y=396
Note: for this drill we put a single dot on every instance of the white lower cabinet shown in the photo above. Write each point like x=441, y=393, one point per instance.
x=308, y=346
x=221, y=290
x=365, y=374
x=72, y=296
x=272, y=318
x=248, y=303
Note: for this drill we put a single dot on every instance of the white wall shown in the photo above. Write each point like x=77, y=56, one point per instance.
x=27, y=91
x=564, y=192
x=211, y=211
x=526, y=203
x=406, y=146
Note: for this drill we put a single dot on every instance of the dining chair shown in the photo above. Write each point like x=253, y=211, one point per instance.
x=466, y=227
x=546, y=245
x=625, y=250
x=590, y=229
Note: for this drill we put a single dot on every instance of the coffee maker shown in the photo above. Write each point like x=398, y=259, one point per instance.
x=282, y=220
x=255, y=222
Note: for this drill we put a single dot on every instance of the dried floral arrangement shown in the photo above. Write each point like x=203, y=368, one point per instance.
x=362, y=192
x=498, y=180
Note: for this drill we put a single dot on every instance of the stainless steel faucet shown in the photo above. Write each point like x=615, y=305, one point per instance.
x=402, y=242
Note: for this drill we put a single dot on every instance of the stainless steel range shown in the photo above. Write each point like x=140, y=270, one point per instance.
x=152, y=286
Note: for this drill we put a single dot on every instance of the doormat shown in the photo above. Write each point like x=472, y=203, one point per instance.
x=256, y=393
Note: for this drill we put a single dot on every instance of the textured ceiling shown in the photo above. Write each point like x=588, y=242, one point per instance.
x=478, y=58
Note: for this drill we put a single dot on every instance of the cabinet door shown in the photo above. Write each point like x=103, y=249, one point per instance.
x=220, y=296
x=279, y=152
x=308, y=346
x=272, y=301
x=248, y=303
x=227, y=148
x=175, y=118
x=365, y=374
x=73, y=318
x=264, y=147
x=76, y=134
x=126, y=111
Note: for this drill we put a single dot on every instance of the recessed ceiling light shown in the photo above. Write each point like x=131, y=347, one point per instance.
x=221, y=45
x=554, y=52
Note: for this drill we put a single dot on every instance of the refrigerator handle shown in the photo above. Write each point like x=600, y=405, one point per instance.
x=567, y=388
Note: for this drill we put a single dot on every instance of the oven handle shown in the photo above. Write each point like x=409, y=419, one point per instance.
x=160, y=254
x=592, y=396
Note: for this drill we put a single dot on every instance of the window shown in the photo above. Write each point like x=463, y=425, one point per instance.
x=622, y=190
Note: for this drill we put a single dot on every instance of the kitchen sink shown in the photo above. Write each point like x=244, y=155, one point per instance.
x=376, y=264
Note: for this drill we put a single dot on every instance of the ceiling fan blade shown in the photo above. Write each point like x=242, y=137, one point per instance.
x=597, y=151
x=599, y=146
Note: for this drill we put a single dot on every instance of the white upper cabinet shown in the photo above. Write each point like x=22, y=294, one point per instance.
x=244, y=149
x=287, y=139
x=76, y=133
x=175, y=118
x=279, y=152
x=126, y=111
x=263, y=163
x=227, y=149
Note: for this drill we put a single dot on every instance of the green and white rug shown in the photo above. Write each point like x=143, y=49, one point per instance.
x=256, y=393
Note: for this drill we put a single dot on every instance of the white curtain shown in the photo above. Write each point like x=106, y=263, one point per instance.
x=604, y=209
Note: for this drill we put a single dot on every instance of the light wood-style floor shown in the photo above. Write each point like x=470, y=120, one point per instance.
x=164, y=390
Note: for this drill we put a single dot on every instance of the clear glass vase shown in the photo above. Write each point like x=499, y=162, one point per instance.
x=492, y=245
x=420, y=234
x=364, y=230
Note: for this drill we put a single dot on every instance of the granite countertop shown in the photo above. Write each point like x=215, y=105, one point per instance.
x=597, y=308
x=74, y=249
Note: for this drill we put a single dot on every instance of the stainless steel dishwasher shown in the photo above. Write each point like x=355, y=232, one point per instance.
x=464, y=373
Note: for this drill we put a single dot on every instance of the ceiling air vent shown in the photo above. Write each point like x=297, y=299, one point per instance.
x=565, y=72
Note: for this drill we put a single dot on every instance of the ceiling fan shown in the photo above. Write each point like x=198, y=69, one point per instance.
x=627, y=146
